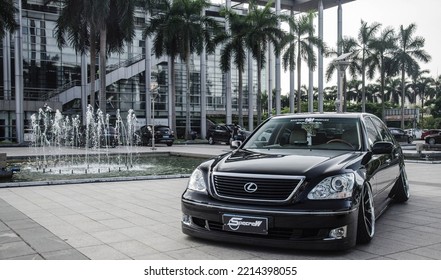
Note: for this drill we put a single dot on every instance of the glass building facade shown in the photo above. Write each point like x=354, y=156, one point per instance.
x=49, y=72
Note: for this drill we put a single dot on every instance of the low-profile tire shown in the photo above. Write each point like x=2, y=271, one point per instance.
x=401, y=188
x=366, y=217
x=431, y=141
x=210, y=140
x=169, y=144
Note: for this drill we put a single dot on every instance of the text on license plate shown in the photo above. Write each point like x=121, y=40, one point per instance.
x=245, y=224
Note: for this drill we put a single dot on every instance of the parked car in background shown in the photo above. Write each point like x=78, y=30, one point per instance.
x=401, y=135
x=433, y=138
x=163, y=135
x=225, y=133
x=429, y=132
x=416, y=133
x=94, y=138
x=307, y=181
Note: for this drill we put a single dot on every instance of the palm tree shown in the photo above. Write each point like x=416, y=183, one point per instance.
x=392, y=88
x=423, y=86
x=382, y=48
x=84, y=23
x=410, y=49
x=348, y=45
x=179, y=30
x=7, y=21
x=301, y=43
x=264, y=29
x=366, y=35
x=235, y=48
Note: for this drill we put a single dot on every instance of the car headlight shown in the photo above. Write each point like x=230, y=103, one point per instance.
x=334, y=187
x=197, y=182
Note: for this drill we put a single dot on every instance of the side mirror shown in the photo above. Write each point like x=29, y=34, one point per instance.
x=382, y=148
x=235, y=144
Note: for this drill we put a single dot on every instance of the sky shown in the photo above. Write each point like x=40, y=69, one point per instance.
x=426, y=14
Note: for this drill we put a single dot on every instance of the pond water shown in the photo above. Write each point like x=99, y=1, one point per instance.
x=113, y=166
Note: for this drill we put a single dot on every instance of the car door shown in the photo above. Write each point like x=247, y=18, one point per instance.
x=222, y=134
x=389, y=167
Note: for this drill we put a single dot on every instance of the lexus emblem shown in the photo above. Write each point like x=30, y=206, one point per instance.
x=250, y=187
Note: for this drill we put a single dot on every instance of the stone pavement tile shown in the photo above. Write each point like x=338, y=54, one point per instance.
x=12, y=215
x=385, y=246
x=28, y=257
x=23, y=224
x=76, y=218
x=15, y=249
x=102, y=252
x=408, y=256
x=3, y=226
x=190, y=254
x=227, y=253
x=64, y=230
x=140, y=220
x=8, y=236
x=98, y=215
x=92, y=226
x=431, y=252
x=116, y=223
x=82, y=240
x=110, y=236
x=48, y=244
x=34, y=233
x=68, y=254
x=162, y=243
x=133, y=248
x=158, y=256
x=413, y=237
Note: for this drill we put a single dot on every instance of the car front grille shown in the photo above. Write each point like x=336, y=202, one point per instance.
x=261, y=188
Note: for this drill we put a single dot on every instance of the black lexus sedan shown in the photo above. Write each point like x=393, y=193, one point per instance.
x=307, y=181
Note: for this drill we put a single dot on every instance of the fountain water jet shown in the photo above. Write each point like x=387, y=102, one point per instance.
x=63, y=146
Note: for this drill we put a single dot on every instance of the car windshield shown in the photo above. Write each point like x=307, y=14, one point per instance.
x=307, y=133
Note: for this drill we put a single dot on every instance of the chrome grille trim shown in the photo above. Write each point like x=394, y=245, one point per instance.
x=234, y=191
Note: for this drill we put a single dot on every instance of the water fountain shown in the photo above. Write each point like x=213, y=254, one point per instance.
x=63, y=148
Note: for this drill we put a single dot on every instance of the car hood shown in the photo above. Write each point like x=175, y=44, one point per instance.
x=304, y=162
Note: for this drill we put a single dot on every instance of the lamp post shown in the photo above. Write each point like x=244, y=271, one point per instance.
x=341, y=63
x=154, y=93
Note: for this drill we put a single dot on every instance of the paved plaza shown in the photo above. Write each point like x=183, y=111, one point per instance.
x=141, y=220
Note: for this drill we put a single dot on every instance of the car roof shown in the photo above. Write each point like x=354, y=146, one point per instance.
x=324, y=115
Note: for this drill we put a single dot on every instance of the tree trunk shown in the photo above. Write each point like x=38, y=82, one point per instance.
x=92, y=66
x=173, y=95
x=103, y=48
x=188, y=99
x=240, y=100
x=402, y=96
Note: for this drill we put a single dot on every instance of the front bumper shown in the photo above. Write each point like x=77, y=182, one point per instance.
x=286, y=229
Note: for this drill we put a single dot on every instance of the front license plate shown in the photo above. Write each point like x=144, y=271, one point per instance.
x=245, y=224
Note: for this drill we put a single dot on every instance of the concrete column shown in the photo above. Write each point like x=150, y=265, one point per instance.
x=228, y=101
x=278, y=70
x=203, y=100
x=339, y=38
x=269, y=70
x=250, y=93
x=291, y=80
x=311, y=81
x=320, y=57
x=7, y=82
x=148, y=77
x=84, y=89
x=19, y=95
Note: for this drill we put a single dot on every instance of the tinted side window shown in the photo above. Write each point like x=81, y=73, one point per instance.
x=382, y=129
x=372, y=133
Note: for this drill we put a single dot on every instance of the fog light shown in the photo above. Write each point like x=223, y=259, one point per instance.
x=338, y=233
x=186, y=219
